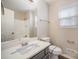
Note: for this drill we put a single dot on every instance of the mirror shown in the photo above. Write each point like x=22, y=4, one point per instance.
x=25, y=23
x=16, y=24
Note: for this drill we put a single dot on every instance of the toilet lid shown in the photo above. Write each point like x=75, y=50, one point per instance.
x=57, y=50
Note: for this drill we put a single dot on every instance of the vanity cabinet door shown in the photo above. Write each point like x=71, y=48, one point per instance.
x=39, y=56
x=46, y=51
x=46, y=56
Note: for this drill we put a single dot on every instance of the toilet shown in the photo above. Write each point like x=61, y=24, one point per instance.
x=54, y=50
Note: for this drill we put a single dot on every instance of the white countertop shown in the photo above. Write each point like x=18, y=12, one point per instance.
x=6, y=54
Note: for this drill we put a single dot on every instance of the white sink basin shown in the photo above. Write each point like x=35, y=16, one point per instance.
x=25, y=49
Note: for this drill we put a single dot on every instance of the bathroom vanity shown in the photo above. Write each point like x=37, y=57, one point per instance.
x=42, y=54
x=35, y=49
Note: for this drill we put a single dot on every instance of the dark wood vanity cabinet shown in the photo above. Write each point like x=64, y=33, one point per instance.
x=42, y=55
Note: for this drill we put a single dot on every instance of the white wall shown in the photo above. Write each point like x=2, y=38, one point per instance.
x=7, y=25
x=42, y=12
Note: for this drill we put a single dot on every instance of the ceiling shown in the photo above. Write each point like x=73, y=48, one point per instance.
x=20, y=5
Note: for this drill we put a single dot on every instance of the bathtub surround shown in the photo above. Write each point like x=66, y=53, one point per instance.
x=21, y=15
x=21, y=23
